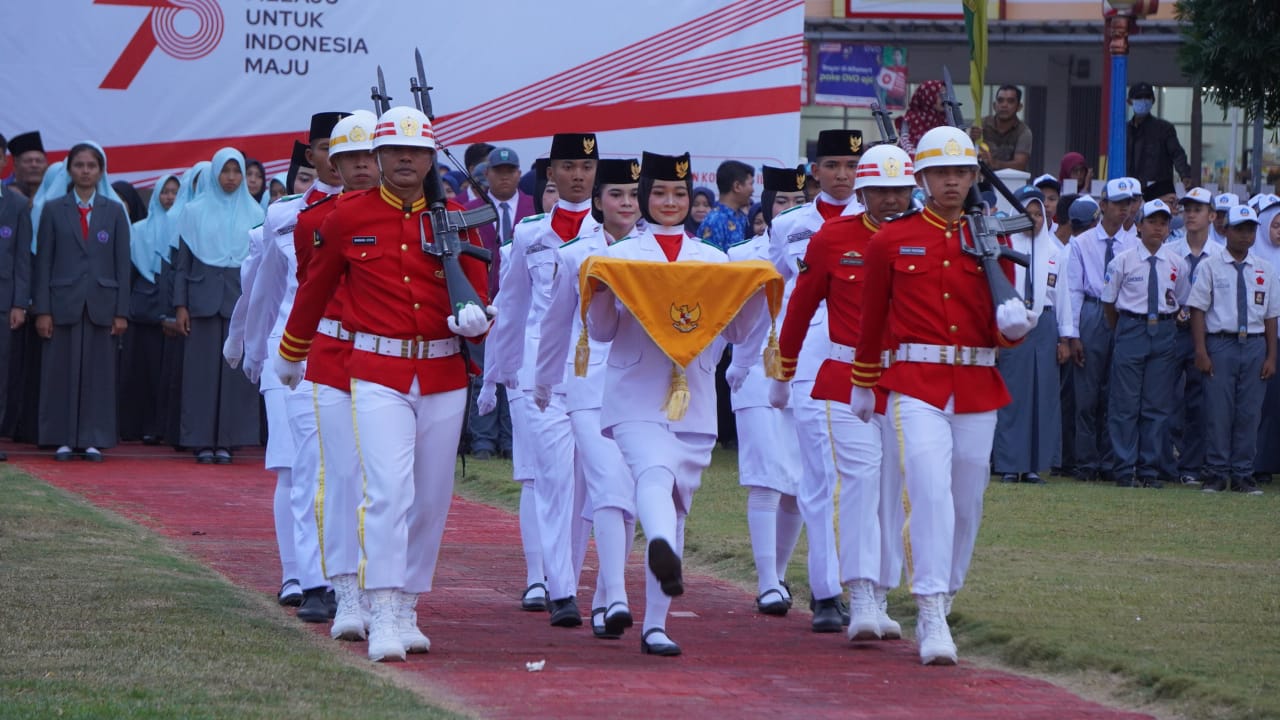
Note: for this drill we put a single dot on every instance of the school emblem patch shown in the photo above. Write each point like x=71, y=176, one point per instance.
x=684, y=318
x=103, y=237
x=6, y=232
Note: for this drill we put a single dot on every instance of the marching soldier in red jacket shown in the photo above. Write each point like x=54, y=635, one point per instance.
x=928, y=301
x=408, y=376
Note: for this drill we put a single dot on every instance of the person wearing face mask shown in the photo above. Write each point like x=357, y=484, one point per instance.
x=1153, y=147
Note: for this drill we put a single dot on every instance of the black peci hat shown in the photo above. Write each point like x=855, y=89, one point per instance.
x=297, y=159
x=665, y=167
x=783, y=179
x=574, y=146
x=618, y=172
x=26, y=142
x=322, y=124
x=839, y=143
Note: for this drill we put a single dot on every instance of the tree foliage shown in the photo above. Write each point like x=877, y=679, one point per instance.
x=1232, y=49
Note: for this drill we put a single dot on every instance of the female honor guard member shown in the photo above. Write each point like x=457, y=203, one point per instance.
x=526, y=292
x=80, y=297
x=219, y=406
x=834, y=272
x=928, y=300
x=835, y=169
x=769, y=469
x=1145, y=287
x=338, y=483
x=611, y=491
x=1028, y=429
x=665, y=449
x=408, y=377
x=1234, y=302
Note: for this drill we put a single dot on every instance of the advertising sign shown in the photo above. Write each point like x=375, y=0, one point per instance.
x=854, y=75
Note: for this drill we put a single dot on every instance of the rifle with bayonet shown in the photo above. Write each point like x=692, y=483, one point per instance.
x=888, y=136
x=985, y=230
x=446, y=241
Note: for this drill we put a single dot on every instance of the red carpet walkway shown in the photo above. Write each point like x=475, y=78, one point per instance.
x=735, y=663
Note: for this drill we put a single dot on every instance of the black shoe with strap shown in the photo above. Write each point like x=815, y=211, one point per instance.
x=665, y=566
x=617, y=619
x=536, y=603
x=664, y=649
x=597, y=628
x=773, y=602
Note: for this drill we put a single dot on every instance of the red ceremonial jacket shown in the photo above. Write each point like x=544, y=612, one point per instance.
x=327, y=359
x=922, y=288
x=372, y=243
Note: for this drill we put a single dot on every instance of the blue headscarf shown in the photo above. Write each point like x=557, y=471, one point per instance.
x=57, y=183
x=152, y=238
x=216, y=224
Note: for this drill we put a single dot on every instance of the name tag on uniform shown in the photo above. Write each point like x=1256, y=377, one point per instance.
x=364, y=240
x=287, y=229
x=910, y=250
x=536, y=249
x=853, y=257
x=802, y=235
x=1134, y=280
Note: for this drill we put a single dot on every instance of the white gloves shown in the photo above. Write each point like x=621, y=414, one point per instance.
x=253, y=371
x=472, y=321
x=289, y=372
x=863, y=403
x=1014, y=319
x=487, y=400
x=736, y=375
x=542, y=396
x=233, y=351
x=779, y=393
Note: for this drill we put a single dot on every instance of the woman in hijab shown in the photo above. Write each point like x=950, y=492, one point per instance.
x=174, y=343
x=923, y=114
x=1028, y=429
x=219, y=405
x=80, y=297
x=702, y=200
x=1075, y=167
x=276, y=188
x=133, y=204
x=143, y=354
x=255, y=178
x=1267, y=246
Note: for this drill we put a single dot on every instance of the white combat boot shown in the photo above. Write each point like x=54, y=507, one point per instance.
x=932, y=632
x=889, y=628
x=384, y=637
x=407, y=624
x=863, y=621
x=349, y=623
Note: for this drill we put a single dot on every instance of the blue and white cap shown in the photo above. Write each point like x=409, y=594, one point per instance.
x=1121, y=189
x=1241, y=214
x=1152, y=207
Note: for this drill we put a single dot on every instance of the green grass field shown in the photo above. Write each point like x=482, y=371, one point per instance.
x=101, y=619
x=1166, y=597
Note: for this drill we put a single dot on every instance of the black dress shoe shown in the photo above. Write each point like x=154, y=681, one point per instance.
x=597, y=628
x=1009, y=478
x=290, y=594
x=773, y=602
x=313, y=608
x=4, y=457
x=617, y=621
x=666, y=649
x=565, y=613
x=538, y=603
x=1033, y=479
x=62, y=455
x=826, y=616
x=1153, y=483
x=204, y=456
x=150, y=440
x=95, y=456
x=665, y=566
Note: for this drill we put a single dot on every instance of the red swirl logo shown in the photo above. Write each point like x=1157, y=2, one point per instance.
x=160, y=30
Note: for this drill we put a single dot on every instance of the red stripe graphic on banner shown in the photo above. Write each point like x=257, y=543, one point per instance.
x=133, y=57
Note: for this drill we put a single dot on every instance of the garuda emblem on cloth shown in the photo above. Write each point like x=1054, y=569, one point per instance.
x=684, y=318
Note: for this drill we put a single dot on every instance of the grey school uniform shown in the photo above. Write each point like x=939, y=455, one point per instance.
x=84, y=284
x=15, y=273
x=1142, y=363
x=1234, y=392
x=219, y=404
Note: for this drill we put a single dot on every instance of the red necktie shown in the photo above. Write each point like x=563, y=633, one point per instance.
x=84, y=222
x=670, y=245
x=565, y=223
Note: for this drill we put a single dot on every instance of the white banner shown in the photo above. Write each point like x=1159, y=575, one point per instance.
x=162, y=84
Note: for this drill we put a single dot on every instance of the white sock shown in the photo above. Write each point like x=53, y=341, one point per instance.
x=283, y=512
x=655, y=505
x=762, y=509
x=529, y=536
x=789, y=524
x=581, y=539
x=656, y=602
x=611, y=547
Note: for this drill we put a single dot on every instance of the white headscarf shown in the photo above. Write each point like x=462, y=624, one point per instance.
x=1262, y=246
x=216, y=224
x=1043, y=250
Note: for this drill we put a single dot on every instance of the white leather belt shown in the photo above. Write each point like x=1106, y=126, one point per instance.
x=416, y=349
x=333, y=329
x=945, y=354
x=841, y=353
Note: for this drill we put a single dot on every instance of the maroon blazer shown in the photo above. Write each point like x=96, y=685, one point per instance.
x=489, y=233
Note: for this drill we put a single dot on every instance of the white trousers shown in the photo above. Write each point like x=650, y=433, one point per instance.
x=857, y=450
x=280, y=453
x=306, y=478
x=892, y=512
x=522, y=439
x=340, y=487
x=609, y=483
x=763, y=459
x=815, y=492
x=946, y=465
x=551, y=438
x=408, y=444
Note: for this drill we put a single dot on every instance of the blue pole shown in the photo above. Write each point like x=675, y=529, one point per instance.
x=1116, y=145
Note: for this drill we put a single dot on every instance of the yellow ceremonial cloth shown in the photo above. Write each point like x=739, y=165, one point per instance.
x=682, y=306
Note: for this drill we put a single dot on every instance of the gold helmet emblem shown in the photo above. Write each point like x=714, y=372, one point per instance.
x=588, y=145
x=682, y=169
x=409, y=127
x=358, y=134
x=892, y=167
x=635, y=170
x=951, y=148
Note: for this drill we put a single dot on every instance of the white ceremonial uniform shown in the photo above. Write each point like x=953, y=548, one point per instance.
x=763, y=461
x=248, y=275
x=788, y=242
x=521, y=303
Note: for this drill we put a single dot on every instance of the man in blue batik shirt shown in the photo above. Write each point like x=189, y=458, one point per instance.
x=727, y=222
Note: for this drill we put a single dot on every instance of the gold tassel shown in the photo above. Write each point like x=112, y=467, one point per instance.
x=677, y=403
x=773, y=356
x=582, y=354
